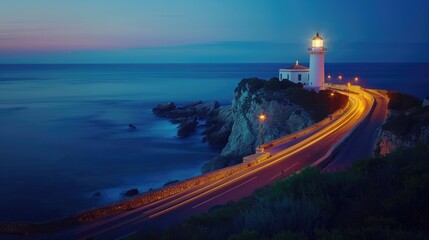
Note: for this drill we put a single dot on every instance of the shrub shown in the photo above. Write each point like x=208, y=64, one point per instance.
x=402, y=102
x=399, y=125
x=252, y=84
x=247, y=235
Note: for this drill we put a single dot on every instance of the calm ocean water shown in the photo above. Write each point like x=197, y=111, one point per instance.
x=64, y=128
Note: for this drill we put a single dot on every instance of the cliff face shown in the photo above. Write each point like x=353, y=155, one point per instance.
x=406, y=126
x=283, y=117
x=403, y=131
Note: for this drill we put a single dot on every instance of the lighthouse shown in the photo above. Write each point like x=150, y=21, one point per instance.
x=317, y=62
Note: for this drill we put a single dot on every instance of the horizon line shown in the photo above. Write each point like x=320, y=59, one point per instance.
x=207, y=63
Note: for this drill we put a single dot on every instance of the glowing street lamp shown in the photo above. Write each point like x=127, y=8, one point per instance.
x=340, y=77
x=262, y=119
x=330, y=102
x=329, y=77
x=356, y=79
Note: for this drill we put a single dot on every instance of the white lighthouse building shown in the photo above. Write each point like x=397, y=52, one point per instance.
x=314, y=76
x=296, y=73
x=317, y=62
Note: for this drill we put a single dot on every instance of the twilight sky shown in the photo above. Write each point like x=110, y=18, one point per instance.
x=205, y=31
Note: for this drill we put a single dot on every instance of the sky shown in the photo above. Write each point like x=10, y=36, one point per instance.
x=208, y=31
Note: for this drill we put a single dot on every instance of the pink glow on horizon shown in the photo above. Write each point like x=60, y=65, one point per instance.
x=17, y=37
x=52, y=42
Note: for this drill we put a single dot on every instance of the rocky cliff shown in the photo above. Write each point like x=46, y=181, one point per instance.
x=288, y=107
x=407, y=124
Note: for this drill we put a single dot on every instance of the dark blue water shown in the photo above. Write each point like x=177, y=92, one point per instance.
x=64, y=134
x=411, y=78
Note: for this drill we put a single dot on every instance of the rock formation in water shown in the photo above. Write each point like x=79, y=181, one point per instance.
x=188, y=115
x=132, y=192
x=407, y=124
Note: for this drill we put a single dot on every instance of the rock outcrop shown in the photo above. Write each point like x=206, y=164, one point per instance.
x=188, y=115
x=132, y=192
x=407, y=124
x=187, y=126
x=197, y=109
x=162, y=109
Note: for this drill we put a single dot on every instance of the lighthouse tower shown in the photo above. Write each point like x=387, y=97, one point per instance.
x=317, y=62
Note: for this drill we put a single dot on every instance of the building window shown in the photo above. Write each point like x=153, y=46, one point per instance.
x=299, y=77
x=281, y=76
x=288, y=77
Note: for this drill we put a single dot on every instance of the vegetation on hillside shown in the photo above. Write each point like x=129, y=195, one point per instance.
x=408, y=115
x=402, y=102
x=378, y=198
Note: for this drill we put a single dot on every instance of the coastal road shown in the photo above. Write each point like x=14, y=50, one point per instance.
x=360, y=144
x=173, y=209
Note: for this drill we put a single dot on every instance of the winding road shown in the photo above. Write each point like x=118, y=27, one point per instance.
x=286, y=159
x=361, y=142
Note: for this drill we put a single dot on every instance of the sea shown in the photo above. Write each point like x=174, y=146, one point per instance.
x=64, y=135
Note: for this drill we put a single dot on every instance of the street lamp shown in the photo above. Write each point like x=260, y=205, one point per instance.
x=356, y=79
x=330, y=102
x=340, y=77
x=329, y=78
x=262, y=119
